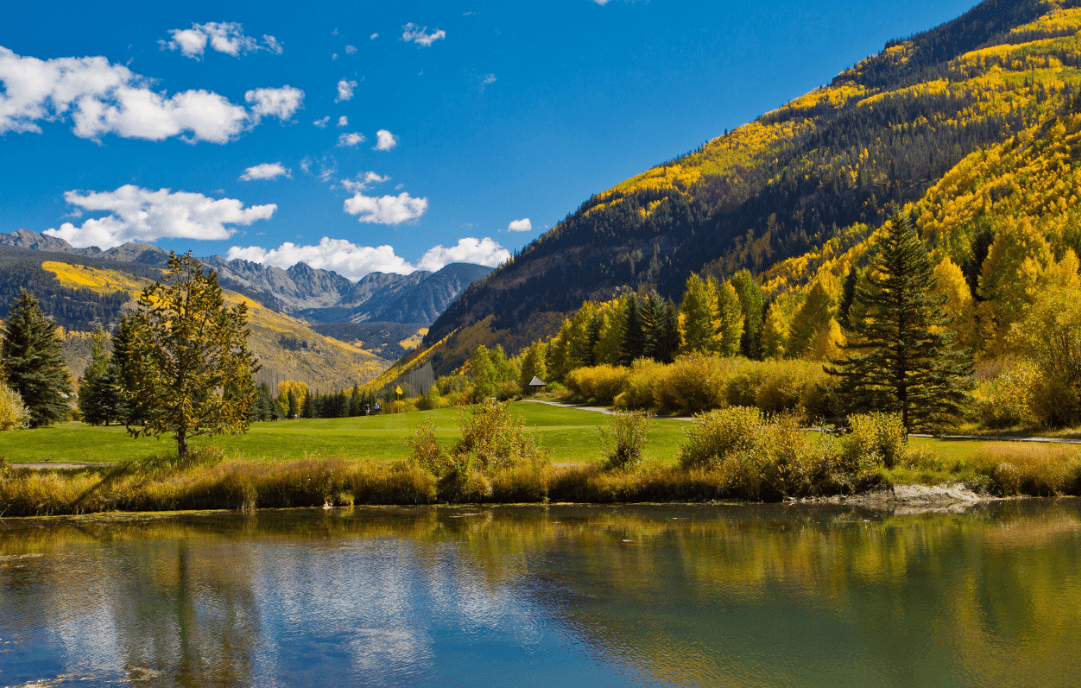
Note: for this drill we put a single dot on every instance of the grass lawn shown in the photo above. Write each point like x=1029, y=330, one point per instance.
x=570, y=434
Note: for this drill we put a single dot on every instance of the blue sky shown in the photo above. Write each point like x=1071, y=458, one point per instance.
x=360, y=136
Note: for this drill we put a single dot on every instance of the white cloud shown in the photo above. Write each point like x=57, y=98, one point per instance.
x=354, y=261
x=489, y=79
x=469, y=250
x=137, y=214
x=341, y=256
x=373, y=36
x=363, y=182
x=352, y=139
x=520, y=226
x=345, y=90
x=386, y=140
x=411, y=33
x=275, y=102
x=224, y=37
x=267, y=170
x=343, y=121
x=386, y=210
x=322, y=123
x=103, y=98
x=350, y=49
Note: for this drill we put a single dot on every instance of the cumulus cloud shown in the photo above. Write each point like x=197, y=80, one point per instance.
x=355, y=261
x=352, y=139
x=322, y=123
x=345, y=90
x=411, y=33
x=489, y=79
x=350, y=49
x=386, y=210
x=363, y=182
x=137, y=214
x=267, y=170
x=341, y=256
x=102, y=98
x=385, y=140
x=520, y=226
x=343, y=121
x=469, y=250
x=373, y=36
x=224, y=37
x=275, y=102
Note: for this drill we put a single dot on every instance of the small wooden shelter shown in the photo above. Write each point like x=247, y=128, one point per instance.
x=535, y=385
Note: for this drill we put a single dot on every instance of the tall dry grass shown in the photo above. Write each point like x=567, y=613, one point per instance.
x=1037, y=469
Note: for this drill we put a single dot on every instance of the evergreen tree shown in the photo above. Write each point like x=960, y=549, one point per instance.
x=634, y=340
x=847, y=296
x=752, y=303
x=356, y=402
x=812, y=318
x=130, y=369
x=666, y=334
x=902, y=358
x=101, y=396
x=33, y=362
x=293, y=405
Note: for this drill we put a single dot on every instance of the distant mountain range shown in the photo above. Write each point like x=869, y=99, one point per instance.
x=316, y=295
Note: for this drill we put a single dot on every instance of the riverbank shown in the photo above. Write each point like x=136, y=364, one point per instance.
x=208, y=482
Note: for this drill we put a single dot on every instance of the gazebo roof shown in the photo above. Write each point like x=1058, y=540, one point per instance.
x=536, y=382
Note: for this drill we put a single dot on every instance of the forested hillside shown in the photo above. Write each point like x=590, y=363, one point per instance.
x=973, y=126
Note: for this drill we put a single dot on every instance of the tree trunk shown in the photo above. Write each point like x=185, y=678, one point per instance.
x=182, y=444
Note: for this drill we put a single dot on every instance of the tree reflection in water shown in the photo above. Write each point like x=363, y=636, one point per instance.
x=678, y=595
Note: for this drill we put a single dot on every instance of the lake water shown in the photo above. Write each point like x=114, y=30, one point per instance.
x=564, y=596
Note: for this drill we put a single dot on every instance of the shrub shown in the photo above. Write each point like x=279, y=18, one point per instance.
x=873, y=439
x=755, y=457
x=427, y=453
x=13, y=413
x=601, y=383
x=624, y=438
x=1006, y=399
x=508, y=391
x=694, y=383
x=432, y=401
x=715, y=436
x=640, y=390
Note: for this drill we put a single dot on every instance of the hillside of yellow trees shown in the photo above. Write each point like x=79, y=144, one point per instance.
x=973, y=127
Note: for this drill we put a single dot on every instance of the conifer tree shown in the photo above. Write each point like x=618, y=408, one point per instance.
x=130, y=369
x=809, y=322
x=293, y=405
x=101, y=398
x=634, y=341
x=666, y=334
x=901, y=358
x=33, y=362
x=729, y=324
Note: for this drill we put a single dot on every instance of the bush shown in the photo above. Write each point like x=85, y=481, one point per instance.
x=1006, y=399
x=624, y=438
x=695, y=383
x=640, y=390
x=873, y=439
x=13, y=413
x=432, y=401
x=600, y=383
x=508, y=391
x=755, y=457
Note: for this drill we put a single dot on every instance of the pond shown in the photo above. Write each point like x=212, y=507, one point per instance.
x=703, y=595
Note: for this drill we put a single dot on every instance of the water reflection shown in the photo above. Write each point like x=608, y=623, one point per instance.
x=685, y=595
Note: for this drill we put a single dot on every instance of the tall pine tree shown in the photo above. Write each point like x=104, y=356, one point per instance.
x=901, y=359
x=32, y=359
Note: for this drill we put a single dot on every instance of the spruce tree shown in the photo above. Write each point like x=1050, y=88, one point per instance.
x=634, y=338
x=666, y=334
x=752, y=303
x=101, y=397
x=33, y=361
x=902, y=358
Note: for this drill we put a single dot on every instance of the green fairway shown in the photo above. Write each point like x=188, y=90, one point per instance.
x=570, y=434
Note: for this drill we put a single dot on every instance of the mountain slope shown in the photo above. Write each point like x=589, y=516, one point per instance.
x=817, y=175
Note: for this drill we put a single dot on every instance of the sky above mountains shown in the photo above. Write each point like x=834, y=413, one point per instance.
x=360, y=137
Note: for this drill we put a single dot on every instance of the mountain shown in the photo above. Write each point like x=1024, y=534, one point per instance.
x=313, y=294
x=966, y=125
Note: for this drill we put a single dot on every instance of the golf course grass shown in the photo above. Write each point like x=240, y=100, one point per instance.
x=570, y=434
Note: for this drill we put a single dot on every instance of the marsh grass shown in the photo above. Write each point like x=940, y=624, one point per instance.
x=1037, y=469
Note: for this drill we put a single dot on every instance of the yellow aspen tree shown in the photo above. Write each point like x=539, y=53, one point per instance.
x=730, y=320
x=1010, y=276
x=698, y=315
x=811, y=318
x=959, y=306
